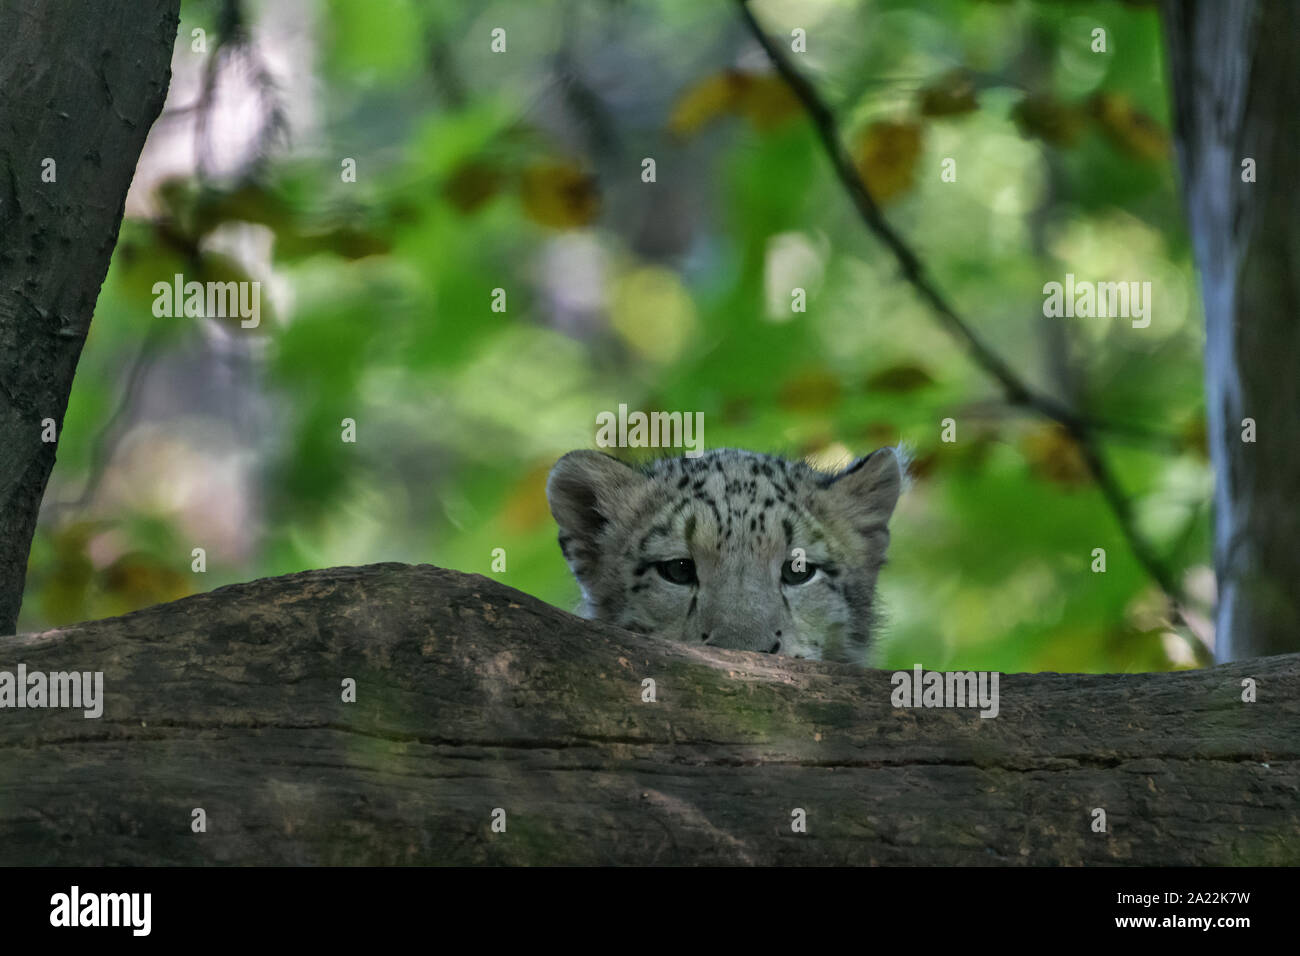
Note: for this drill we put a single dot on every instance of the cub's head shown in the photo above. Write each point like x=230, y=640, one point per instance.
x=731, y=549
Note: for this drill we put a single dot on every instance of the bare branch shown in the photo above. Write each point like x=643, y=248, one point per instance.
x=1017, y=391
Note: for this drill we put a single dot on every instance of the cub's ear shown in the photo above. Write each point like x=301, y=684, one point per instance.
x=586, y=490
x=866, y=491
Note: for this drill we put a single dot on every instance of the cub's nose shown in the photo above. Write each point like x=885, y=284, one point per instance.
x=740, y=642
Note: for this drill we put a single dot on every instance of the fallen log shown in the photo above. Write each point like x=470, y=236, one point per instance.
x=476, y=703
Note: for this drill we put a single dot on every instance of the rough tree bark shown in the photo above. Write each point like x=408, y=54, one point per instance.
x=1236, y=93
x=80, y=84
x=472, y=696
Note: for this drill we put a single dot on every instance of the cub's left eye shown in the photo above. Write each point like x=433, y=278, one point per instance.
x=679, y=571
x=790, y=576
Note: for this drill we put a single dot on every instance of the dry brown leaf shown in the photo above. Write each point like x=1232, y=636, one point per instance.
x=139, y=580
x=525, y=507
x=1129, y=128
x=1054, y=455
x=810, y=391
x=886, y=157
x=472, y=184
x=950, y=95
x=560, y=195
x=1196, y=437
x=1049, y=119
x=904, y=377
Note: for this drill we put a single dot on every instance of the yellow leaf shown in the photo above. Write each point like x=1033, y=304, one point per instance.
x=559, y=195
x=810, y=391
x=1196, y=437
x=767, y=102
x=762, y=98
x=653, y=312
x=1129, y=128
x=712, y=97
x=525, y=507
x=134, y=581
x=886, y=157
x=1054, y=455
x=66, y=582
x=70, y=539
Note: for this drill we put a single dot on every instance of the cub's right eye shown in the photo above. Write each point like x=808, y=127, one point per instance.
x=678, y=571
x=790, y=576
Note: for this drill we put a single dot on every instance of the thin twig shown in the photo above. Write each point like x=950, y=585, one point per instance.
x=110, y=434
x=233, y=42
x=1017, y=391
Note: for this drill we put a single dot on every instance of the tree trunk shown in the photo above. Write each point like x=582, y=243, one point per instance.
x=81, y=85
x=1236, y=91
x=471, y=696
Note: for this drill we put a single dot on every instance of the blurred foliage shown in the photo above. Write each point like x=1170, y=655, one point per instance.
x=523, y=171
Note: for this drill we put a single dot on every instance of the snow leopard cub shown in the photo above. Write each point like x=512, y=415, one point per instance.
x=731, y=549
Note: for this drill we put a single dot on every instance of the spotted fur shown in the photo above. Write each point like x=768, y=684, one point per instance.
x=737, y=518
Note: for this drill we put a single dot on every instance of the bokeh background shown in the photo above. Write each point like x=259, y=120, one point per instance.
x=522, y=171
